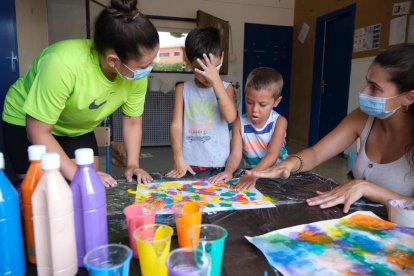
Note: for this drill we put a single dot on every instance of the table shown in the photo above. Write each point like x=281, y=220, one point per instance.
x=240, y=256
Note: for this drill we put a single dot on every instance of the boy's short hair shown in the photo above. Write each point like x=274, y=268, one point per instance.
x=265, y=78
x=203, y=41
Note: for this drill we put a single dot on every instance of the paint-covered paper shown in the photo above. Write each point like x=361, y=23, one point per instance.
x=217, y=197
x=358, y=244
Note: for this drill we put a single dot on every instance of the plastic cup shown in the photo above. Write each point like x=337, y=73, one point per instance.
x=136, y=216
x=153, y=244
x=188, y=262
x=187, y=214
x=108, y=260
x=210, y=238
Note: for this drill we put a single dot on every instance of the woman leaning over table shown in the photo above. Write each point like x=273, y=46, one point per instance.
x=75, y=84
x=385, y=123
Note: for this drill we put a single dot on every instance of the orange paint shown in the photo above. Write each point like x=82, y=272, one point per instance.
x=402, y=259
x=28, y=186
x=360, y=221
x=185, y=218
x=315, y=238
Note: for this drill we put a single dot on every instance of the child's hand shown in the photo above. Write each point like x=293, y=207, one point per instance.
x=142, y=176
x=180, y=169
x=221, y=177
x=210, y=71
x=245, y=182
x=107, y=180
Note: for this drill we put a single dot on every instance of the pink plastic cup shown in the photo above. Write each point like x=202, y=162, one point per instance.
x=138, y=215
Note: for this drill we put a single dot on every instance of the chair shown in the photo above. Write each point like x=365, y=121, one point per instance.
x=103, y=138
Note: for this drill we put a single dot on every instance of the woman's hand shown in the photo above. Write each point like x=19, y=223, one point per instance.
x=142, y=175
x=221, y=177
x=279, y=171
x=180, y=169
x=346, y=193
x=245, y=182
x=107, y=179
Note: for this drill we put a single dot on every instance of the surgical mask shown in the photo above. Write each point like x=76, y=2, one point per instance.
x=138, y=74
x=375, y=106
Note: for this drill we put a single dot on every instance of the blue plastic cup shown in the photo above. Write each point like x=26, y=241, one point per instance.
x=108, y=260
x=210, y=238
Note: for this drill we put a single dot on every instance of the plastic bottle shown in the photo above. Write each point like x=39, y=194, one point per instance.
x=54, y=226
x=11, y=241
x=28, y=185
x=89, y=202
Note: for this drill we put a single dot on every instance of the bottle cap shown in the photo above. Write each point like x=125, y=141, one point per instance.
x=84, y=156
x=36, y=151
x=1, y=161
x=50, y=161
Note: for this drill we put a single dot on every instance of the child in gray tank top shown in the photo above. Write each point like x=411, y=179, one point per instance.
x=203, y=108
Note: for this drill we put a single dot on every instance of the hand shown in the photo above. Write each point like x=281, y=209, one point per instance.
x=107, y=180
x=180, y=169
x=279, y=171
x=346, y=193
x=210, y=71
x=142, y=175
x=221, y=177
x=245, y=182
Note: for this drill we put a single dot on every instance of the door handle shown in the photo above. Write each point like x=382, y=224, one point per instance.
x=13, y=61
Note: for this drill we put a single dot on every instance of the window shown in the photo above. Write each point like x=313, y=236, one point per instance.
x=170, y=57
x=177, y=54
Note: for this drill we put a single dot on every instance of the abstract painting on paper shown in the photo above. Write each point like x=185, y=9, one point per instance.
x=358, y=244
x=217, y=197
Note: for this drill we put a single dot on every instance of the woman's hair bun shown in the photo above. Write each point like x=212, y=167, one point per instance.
x=124, y=6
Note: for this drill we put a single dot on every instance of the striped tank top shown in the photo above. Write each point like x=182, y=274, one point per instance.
x=255, y=140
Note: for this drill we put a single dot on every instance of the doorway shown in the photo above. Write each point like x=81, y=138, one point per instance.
x=269, y=46
x=331, y=71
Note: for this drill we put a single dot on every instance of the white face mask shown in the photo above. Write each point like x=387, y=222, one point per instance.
x=375, y=106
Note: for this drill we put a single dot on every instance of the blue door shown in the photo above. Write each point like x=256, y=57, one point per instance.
x=9, y=66
x=331, y=71
x=269, y=46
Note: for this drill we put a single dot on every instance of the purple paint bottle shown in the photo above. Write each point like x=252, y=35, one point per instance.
x=89, y=202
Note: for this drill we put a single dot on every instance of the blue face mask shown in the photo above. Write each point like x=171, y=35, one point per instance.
x=138, y=74
x=375, y=106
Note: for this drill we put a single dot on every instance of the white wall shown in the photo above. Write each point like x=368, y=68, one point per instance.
x=32, y=36
x=237, y=12
x=359, y=68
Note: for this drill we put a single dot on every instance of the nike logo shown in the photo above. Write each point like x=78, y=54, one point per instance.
x=93, y=105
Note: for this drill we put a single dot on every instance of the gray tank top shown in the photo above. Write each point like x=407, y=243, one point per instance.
x=206, y=137
x=397, y=176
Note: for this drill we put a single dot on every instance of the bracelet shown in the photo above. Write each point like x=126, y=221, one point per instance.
x=301, y=163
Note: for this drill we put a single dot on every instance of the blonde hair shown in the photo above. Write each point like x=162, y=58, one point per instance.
x=266, y=78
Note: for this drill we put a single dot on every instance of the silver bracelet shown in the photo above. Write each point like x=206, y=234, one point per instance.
x=300, y=165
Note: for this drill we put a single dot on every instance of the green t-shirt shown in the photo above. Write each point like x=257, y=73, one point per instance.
x=65, y=87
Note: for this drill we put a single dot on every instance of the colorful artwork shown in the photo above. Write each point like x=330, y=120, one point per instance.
x=218, y=197
x=358, y=244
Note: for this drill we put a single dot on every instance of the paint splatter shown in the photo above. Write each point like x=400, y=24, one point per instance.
x=218, y=197
x=360, y=243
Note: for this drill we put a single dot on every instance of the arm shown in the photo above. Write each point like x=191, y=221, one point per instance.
x=273, y=151
x=350, y=192
x=41, y=133
x=331, y=145
x=235, y=155
x=132, y=133
x=225, y=97
x=180, y=166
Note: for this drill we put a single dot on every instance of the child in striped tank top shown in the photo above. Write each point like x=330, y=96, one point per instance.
x=258, y=136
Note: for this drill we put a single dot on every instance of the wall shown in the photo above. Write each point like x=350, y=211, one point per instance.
x=237, y=12
x=367, y=13
x=32, y=34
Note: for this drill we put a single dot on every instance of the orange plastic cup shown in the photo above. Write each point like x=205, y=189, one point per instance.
x=187, y=215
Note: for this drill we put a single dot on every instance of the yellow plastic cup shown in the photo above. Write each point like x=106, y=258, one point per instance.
x=153, y=244
x=187, y=215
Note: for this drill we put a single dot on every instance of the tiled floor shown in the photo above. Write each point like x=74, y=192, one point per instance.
x=159, y=159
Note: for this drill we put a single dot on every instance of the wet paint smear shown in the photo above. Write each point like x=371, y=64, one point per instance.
x=217, y=197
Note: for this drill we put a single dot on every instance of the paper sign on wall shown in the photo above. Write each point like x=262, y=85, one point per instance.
x=397, y=30
x=303, y=32
x=367, y=38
